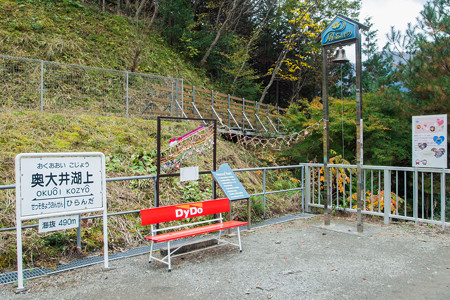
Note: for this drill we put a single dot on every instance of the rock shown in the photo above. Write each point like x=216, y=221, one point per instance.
x=291, y=272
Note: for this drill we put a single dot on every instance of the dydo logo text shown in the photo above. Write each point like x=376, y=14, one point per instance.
x=189, y=210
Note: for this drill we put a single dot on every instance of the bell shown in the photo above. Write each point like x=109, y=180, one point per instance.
x=340, y=57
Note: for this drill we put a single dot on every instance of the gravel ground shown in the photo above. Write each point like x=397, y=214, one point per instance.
x=301, y=259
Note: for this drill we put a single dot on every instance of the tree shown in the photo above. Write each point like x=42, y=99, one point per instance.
x=232, y=11
x=249, y=45
x=424, y=54
x=142, y=13
x=299, y=61
x=378, y=68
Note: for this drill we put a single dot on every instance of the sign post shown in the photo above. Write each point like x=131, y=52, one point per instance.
x=56, y=188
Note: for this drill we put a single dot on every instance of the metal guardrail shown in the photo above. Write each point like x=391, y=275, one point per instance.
x=414, y=194
x=263, y=193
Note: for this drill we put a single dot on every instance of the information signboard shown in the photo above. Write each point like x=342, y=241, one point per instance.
x=229, y=183
x=429, y=144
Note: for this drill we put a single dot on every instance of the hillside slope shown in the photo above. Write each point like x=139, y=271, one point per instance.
x=129, y=145
x=70, y=32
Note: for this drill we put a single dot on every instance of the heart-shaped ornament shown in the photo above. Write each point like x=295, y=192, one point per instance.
x=422, y=146
x=438, y=139
x=439, y=152
x=440, y=122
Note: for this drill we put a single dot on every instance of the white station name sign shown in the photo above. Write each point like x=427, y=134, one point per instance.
x=58, y=184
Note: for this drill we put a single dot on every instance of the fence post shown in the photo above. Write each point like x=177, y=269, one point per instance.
x=249, y=211
x=127, y=96
x=443, y=198
x=243, y=113
x=79, y=233
x=278, y=120
x=387, y=195
x=264, y=192
x=193, y=101
x=307, y=188
x=256, y=111
x=229, y=110
x=42, y=86
x=212, y=104
x=155, y=196
x=182, y=94
x=151, y=96
x=172, y=106
x=416, y=196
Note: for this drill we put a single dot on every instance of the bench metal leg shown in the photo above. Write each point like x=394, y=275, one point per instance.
x=168, y=256
x=239, y=239
x=151, y=251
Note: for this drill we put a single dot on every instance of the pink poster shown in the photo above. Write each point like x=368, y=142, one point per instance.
x=429, y=144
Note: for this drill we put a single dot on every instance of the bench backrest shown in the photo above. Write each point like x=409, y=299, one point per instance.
x=182, y=211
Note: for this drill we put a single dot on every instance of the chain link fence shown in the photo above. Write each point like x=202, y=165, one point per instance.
x=29, y=84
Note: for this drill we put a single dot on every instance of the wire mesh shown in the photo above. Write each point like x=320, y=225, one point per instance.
x=28, y=84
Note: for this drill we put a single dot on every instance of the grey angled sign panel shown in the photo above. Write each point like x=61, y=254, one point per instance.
x=229, y=183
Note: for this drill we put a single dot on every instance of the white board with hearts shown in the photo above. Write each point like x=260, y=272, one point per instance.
x=429, y=141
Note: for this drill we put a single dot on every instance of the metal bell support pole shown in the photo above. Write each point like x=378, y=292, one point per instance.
x=359, y=136
x=326, y=140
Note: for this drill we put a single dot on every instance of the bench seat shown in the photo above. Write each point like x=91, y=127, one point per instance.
x=194, y=231
x=188, y=212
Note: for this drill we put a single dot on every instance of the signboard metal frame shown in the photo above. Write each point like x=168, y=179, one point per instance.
x=158, y=154
x=20, y=217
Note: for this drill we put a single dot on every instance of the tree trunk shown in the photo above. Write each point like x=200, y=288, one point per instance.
x=250, y=42
x=230, y=14
x=139, y=6
x=155, y=12
x=213, y=44
x=277, y=68
x=280, y=60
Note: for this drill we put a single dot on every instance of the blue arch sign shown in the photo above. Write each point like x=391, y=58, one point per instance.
x=341, y=30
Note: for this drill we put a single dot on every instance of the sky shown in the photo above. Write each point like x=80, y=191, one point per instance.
x=385, y=14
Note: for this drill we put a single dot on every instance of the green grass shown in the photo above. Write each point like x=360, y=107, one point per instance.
x=73, y=32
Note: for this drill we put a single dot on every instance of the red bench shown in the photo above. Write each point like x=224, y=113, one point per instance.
x=163, y=214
